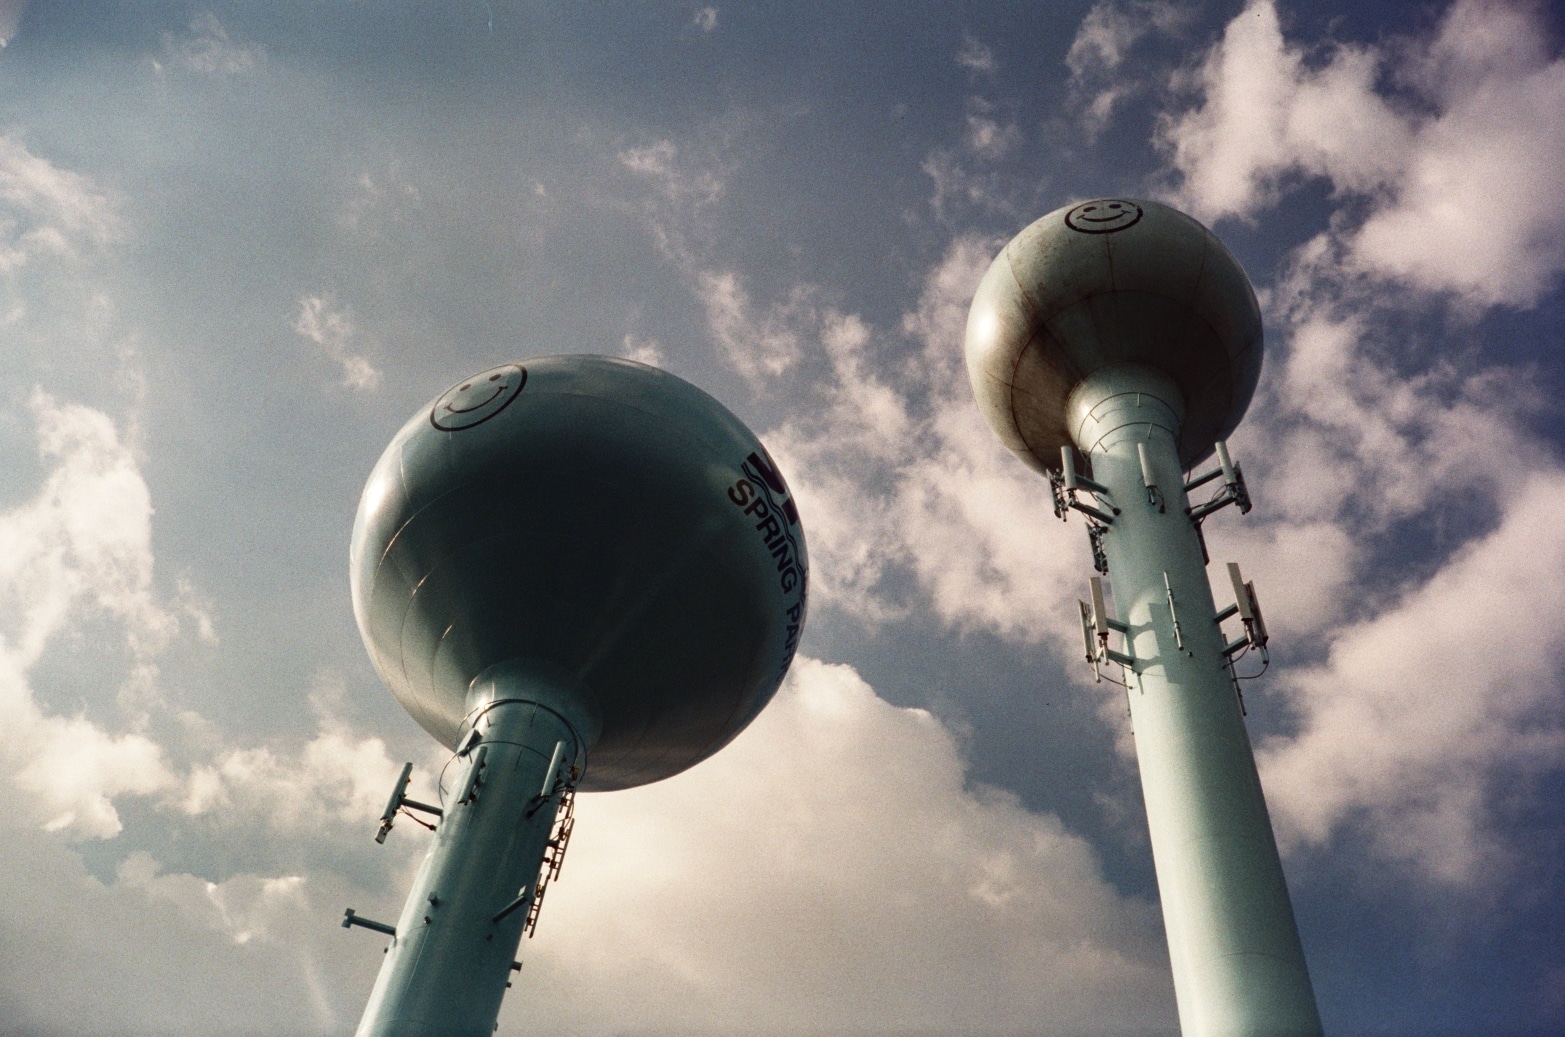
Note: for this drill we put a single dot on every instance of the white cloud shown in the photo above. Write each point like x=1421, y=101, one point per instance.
x=956, y=184
x=11, y=12
x=659, y=162
x=966, y=176
x=975, y=57
x=207, y=49
x=705, y=19
x=46, y=210
x=331, y=327
x=833, y=871
x=642, y=350
x=385, y=194
x=209, y=956
x=83, y=543
x=336, y=778
x=989, y=139
x=1459, y=181
x=1109, y=32
x=1420, y=712
x=901, y=476
x=757, y=344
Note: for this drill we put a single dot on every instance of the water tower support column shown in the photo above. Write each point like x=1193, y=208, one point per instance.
x=449, y=963
x=1238, y=966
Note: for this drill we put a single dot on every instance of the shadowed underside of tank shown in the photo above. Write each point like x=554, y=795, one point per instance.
x=589, y=531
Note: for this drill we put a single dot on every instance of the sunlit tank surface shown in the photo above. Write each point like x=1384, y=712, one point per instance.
x=595, y=520
x=1103, y=283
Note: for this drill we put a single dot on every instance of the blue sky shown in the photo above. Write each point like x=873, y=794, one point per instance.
x=240, y=244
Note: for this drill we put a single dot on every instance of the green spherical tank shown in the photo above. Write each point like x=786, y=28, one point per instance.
x=1107, y=283
x=600, y=523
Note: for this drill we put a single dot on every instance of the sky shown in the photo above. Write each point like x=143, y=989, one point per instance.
x=240, y=244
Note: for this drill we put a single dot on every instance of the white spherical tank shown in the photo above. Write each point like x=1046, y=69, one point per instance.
x=1113, y=281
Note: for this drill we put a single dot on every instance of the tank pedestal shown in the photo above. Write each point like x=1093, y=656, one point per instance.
x=1233, y=943
x=448, y=966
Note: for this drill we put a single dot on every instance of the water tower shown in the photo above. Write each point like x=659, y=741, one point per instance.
x=575, y=572
x=1112, y=346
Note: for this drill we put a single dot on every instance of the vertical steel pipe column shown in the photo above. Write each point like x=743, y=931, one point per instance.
x=447, y=968
x=1234, y=945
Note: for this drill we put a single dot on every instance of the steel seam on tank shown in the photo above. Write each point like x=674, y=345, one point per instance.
x=402, y=631
x=1195, y=293
x=1010, y=384
x=434, y=658
x=1028, y=302
x=439, y=560
x=472, y=719
x=580, y=681
x=396, y=537
x=400, y=665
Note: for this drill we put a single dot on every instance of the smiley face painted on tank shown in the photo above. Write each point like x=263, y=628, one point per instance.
x=1103, y=216
x=478, y=399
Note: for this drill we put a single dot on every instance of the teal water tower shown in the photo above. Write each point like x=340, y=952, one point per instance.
x=577, y=573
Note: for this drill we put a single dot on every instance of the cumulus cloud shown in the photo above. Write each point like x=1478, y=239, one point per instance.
x=989, y=138
x=84, y=542
x=76, y=557
x=958, y=184
x=1458, y=174
x=1347, y=450
x=204, y=956
x=322, y=321
x=869, y=887
x=1419, y=711
x=866, y=861
x=900, y=475
x=966, y=176
x=705, y=19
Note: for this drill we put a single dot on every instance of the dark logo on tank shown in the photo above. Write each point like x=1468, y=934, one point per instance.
x=766, y=501
x=478, y=399
x=1104, y=216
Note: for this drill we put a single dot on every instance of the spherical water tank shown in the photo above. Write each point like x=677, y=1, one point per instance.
x=1114, y=281
x=592, y=519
